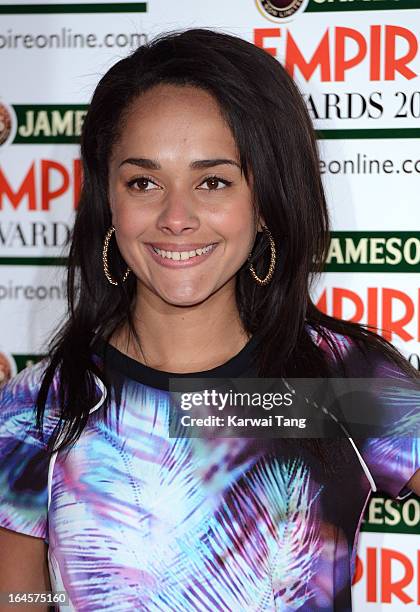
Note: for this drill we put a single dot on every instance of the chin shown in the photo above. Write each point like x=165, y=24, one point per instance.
x=185, y=302
x=186, y=298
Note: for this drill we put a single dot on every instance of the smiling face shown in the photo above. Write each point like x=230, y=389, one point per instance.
x=175, y=186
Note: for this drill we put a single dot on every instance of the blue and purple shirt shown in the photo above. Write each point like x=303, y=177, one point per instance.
x=137, y=520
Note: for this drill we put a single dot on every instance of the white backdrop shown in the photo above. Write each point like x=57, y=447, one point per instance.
x=357, y=64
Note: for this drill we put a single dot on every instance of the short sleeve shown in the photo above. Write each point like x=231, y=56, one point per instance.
x=392, y=462
x=394, y=457
x=24, y=461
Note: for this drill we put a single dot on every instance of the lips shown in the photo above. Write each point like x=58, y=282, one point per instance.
x=169, y=262
x=167, y=246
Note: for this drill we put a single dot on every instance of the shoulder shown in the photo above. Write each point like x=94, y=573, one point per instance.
x=368, y=356
x=337, y=347
x=18, y=403
x=24, y=457
x=26, y=382
x=324, y=337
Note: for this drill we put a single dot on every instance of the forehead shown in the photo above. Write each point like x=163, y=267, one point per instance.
x=172, y=99
x=169, y=116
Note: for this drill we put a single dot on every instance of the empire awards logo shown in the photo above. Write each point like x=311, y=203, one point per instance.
x=7, y=124
x=281, y=10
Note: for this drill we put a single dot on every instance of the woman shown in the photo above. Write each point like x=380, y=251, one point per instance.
x=201, y=214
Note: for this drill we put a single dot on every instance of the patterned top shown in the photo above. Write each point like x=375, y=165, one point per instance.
x=137, y=520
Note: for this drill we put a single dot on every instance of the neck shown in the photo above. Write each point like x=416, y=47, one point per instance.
x=184, y=338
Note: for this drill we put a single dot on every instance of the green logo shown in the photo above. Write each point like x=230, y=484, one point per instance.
x=388, y=515
x=64, y=9
x=49, y=123
x=373, y=252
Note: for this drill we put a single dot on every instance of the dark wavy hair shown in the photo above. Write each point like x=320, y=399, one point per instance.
x=276, y=141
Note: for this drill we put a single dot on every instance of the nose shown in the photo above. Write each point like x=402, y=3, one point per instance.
x=178, y=213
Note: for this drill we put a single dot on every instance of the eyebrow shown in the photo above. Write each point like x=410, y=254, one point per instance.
x=198, y=164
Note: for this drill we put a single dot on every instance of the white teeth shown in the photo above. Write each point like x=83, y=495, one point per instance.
x=177, y=255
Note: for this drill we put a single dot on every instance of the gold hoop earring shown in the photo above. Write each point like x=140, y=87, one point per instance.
x=269, y=275
x=105, y=258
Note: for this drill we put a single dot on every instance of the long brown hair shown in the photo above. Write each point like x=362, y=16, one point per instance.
x=276, y=141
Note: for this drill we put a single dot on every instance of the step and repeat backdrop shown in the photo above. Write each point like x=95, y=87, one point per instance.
x=357, y=63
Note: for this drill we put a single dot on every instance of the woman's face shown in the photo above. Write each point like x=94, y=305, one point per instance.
x=176, y=186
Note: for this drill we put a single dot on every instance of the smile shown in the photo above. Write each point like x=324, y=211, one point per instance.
x=178, y=255
x=176, y=259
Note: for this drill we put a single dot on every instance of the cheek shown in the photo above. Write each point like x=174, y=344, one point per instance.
x=241, y=231
x=127, y=224
x=124, y=214
x=128, y=227
x=128, y=221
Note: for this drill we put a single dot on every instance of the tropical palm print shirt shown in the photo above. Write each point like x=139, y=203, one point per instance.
x=137, y=520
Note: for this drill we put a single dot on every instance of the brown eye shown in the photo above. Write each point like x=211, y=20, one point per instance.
x=142, y=183
x=214, y=183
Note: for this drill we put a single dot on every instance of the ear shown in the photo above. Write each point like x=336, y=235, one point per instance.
x=261, y=223
x=111, y=207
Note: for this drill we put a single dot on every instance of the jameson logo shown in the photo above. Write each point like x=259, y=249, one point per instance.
x=38, y=124
x=373, y=252
x=390, y=515
x=318, y=6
